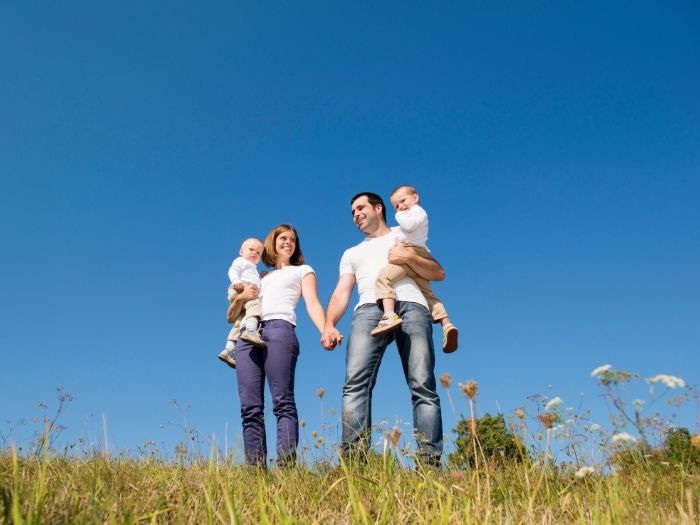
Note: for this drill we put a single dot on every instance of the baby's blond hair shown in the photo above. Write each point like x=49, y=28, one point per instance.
x=410, y=189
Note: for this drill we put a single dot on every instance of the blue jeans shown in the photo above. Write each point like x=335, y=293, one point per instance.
x=276, y=363
x=364, y=355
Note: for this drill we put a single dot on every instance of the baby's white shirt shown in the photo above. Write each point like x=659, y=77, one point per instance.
x=413, y=225
x=242, y=270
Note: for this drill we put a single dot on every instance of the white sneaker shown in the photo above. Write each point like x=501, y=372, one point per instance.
x=386, y=324
x=226, y=356
x=253, y=338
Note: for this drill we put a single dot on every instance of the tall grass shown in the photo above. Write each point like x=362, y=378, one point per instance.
x=632, y=483
x=99, y=489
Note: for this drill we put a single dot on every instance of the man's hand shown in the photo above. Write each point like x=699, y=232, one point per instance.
x=399, y=254
x=331, y=337
x=425, y=267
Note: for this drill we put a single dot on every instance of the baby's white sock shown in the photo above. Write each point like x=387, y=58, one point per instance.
x=251, y=324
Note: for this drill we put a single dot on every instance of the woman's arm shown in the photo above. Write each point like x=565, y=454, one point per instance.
x=313, y=305
x=249, y=292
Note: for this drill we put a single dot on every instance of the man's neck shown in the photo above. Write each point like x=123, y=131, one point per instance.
x=381, y=231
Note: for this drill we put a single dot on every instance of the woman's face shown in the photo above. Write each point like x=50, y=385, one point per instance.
x=285, y=244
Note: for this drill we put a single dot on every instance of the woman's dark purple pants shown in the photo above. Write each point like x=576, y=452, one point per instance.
x=277, y=363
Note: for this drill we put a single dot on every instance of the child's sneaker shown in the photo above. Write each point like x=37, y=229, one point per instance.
x=226, y=356
x=449, y=338
x=386, y=324
x=253, y=338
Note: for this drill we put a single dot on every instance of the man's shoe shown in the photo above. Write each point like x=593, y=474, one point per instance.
x=449, y=338
x=386, y=324
x=226, y=356
x=253, y=338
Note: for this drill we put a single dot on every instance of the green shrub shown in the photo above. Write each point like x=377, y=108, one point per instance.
x=499, y=446
x=680, y=450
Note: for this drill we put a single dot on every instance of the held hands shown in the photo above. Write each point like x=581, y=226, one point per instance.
x=331, y=337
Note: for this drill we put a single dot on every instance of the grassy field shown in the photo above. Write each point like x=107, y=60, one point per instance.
x=102, y=490
x=500, y=471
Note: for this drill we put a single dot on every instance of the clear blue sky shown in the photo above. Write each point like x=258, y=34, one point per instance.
x=555, y=145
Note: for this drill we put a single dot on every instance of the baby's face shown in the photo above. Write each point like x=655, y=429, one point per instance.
x=403, y=199
x=252, y=250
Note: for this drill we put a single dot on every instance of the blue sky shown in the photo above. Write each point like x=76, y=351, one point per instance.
x=556, y=147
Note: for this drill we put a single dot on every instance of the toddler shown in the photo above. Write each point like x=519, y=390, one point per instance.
x=413, y=233
x=243, y=271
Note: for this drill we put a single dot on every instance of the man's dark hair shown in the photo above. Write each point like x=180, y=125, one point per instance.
x=373, y=199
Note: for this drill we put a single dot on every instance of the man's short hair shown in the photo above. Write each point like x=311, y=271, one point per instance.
x=373, y=199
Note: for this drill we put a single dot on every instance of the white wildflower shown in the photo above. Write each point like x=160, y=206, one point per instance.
x=667, y=380
x=638, y=404
x=570, y=422
x=584, y=471
x=595, y=427
x=552, y=403
x=600, y=370
x=623, y=437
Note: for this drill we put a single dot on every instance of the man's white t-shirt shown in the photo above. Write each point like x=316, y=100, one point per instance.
x=365, y=261
x=281, y=290
x=242, y=270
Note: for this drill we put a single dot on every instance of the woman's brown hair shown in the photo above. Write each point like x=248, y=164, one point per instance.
x=269, y=255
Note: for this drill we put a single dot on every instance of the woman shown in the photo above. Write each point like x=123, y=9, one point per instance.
x=281, y=290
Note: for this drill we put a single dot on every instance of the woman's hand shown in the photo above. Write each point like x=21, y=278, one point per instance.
x=249, y=293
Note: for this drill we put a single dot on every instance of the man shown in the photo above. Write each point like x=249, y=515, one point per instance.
x=361, y=264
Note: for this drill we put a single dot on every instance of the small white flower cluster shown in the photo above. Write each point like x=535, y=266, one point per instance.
x=601, y=369
x=623, y=438
x=554, y=402
x=584, y=471
x=667, y=380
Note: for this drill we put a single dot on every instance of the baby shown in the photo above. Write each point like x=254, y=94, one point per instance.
x=413, y=233
x=243, y=271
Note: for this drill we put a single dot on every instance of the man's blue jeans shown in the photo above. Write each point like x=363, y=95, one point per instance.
x=364, y=355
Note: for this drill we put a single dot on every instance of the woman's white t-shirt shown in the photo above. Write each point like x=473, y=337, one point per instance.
x=281, y=290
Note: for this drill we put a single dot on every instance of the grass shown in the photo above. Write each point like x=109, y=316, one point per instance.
x=625, y=481
x=103, y=490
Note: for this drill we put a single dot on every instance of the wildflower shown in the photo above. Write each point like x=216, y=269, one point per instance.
x=394, y=436
x=520, y=412
x=470, y=388
x=320, y=392
x=695, y=441
x=595, y=427
x=600, y=370
x=319, y=440
x=302, y=423
x=667, y=380
x=553, y=403
x=584, y=471
x=623, y=437
x=548, y=419
x=446, y=380
x=314, y=434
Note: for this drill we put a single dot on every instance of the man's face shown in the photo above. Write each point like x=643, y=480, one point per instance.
x=252, y=250
x=365, y=216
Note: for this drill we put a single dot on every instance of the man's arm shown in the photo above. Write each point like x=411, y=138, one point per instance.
x=426, y=267
x=336, y=308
